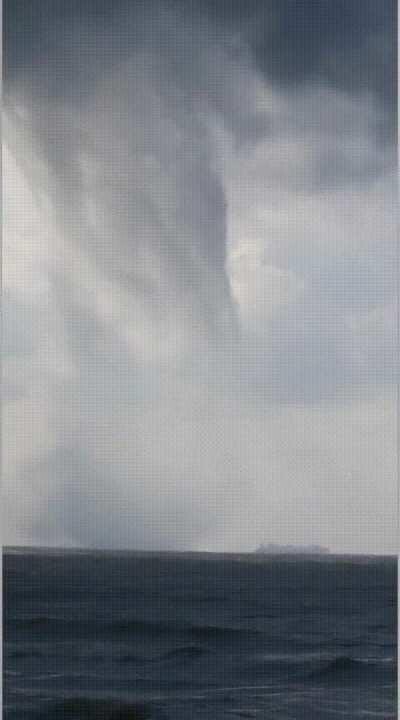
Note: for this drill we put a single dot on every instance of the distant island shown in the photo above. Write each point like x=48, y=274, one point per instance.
x=275, y=549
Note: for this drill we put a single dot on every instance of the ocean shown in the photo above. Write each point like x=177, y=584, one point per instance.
x=127, y=636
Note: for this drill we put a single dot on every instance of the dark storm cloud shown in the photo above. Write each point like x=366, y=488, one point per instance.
x=348, y=45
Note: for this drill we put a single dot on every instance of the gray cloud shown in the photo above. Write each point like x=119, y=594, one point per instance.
x=207, y=225
x=348, y=46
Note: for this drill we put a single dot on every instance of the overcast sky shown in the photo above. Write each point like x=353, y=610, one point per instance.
x=200, y=273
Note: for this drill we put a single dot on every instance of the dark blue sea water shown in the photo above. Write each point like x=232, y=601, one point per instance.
x=122, y=636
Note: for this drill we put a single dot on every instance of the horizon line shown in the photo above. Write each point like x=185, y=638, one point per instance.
x=252, y=553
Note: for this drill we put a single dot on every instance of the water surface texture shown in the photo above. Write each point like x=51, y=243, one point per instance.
x=126, y=636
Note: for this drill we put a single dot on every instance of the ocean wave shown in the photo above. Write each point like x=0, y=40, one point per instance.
x=187, y=652
x=95, y=627
x=198, y=632
x=23, y=654
x=61, y=626
x=320, y=668
x=221, y=632
x=87, y=708
x=345, y=668
x=134, y=625
x=38, y=621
